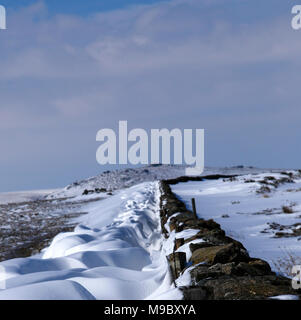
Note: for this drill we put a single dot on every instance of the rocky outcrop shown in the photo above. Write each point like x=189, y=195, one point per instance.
x=220, y=267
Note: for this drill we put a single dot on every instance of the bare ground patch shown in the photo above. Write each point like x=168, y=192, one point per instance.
x=26, y=228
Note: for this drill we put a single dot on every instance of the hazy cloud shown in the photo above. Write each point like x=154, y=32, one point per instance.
x=173, y=64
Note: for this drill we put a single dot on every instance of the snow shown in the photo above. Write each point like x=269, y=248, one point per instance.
x=117, y=180
x=24, y=196
x=185, y=234
x=51, y=290
x=285, y=297
x=246, y=215
x=120, y=179
x=185, y=279
x=117, y=251
x=185, y=248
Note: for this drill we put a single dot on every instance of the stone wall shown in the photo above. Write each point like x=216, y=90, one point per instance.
x=221, y=266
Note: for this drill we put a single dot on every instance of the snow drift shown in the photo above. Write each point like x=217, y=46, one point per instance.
x=116, y=252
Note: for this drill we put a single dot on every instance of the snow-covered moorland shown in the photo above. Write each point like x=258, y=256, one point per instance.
x=117, y=250
x=120, y=179
x=262, y=211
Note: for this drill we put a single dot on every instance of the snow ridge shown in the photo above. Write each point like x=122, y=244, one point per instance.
x=120, y=179
x=116, y=252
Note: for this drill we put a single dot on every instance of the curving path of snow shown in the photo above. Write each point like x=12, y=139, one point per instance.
x=116, y=252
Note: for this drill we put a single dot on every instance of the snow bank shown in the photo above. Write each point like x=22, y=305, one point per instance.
x=116, y=252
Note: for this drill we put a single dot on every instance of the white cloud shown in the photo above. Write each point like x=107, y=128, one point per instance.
x=185, y=49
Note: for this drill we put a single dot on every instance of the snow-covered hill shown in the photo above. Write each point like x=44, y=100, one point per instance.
x=120, y=179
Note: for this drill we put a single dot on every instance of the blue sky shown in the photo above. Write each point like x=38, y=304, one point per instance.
x=241, y=10
x=70, y=68
x=78, y=7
